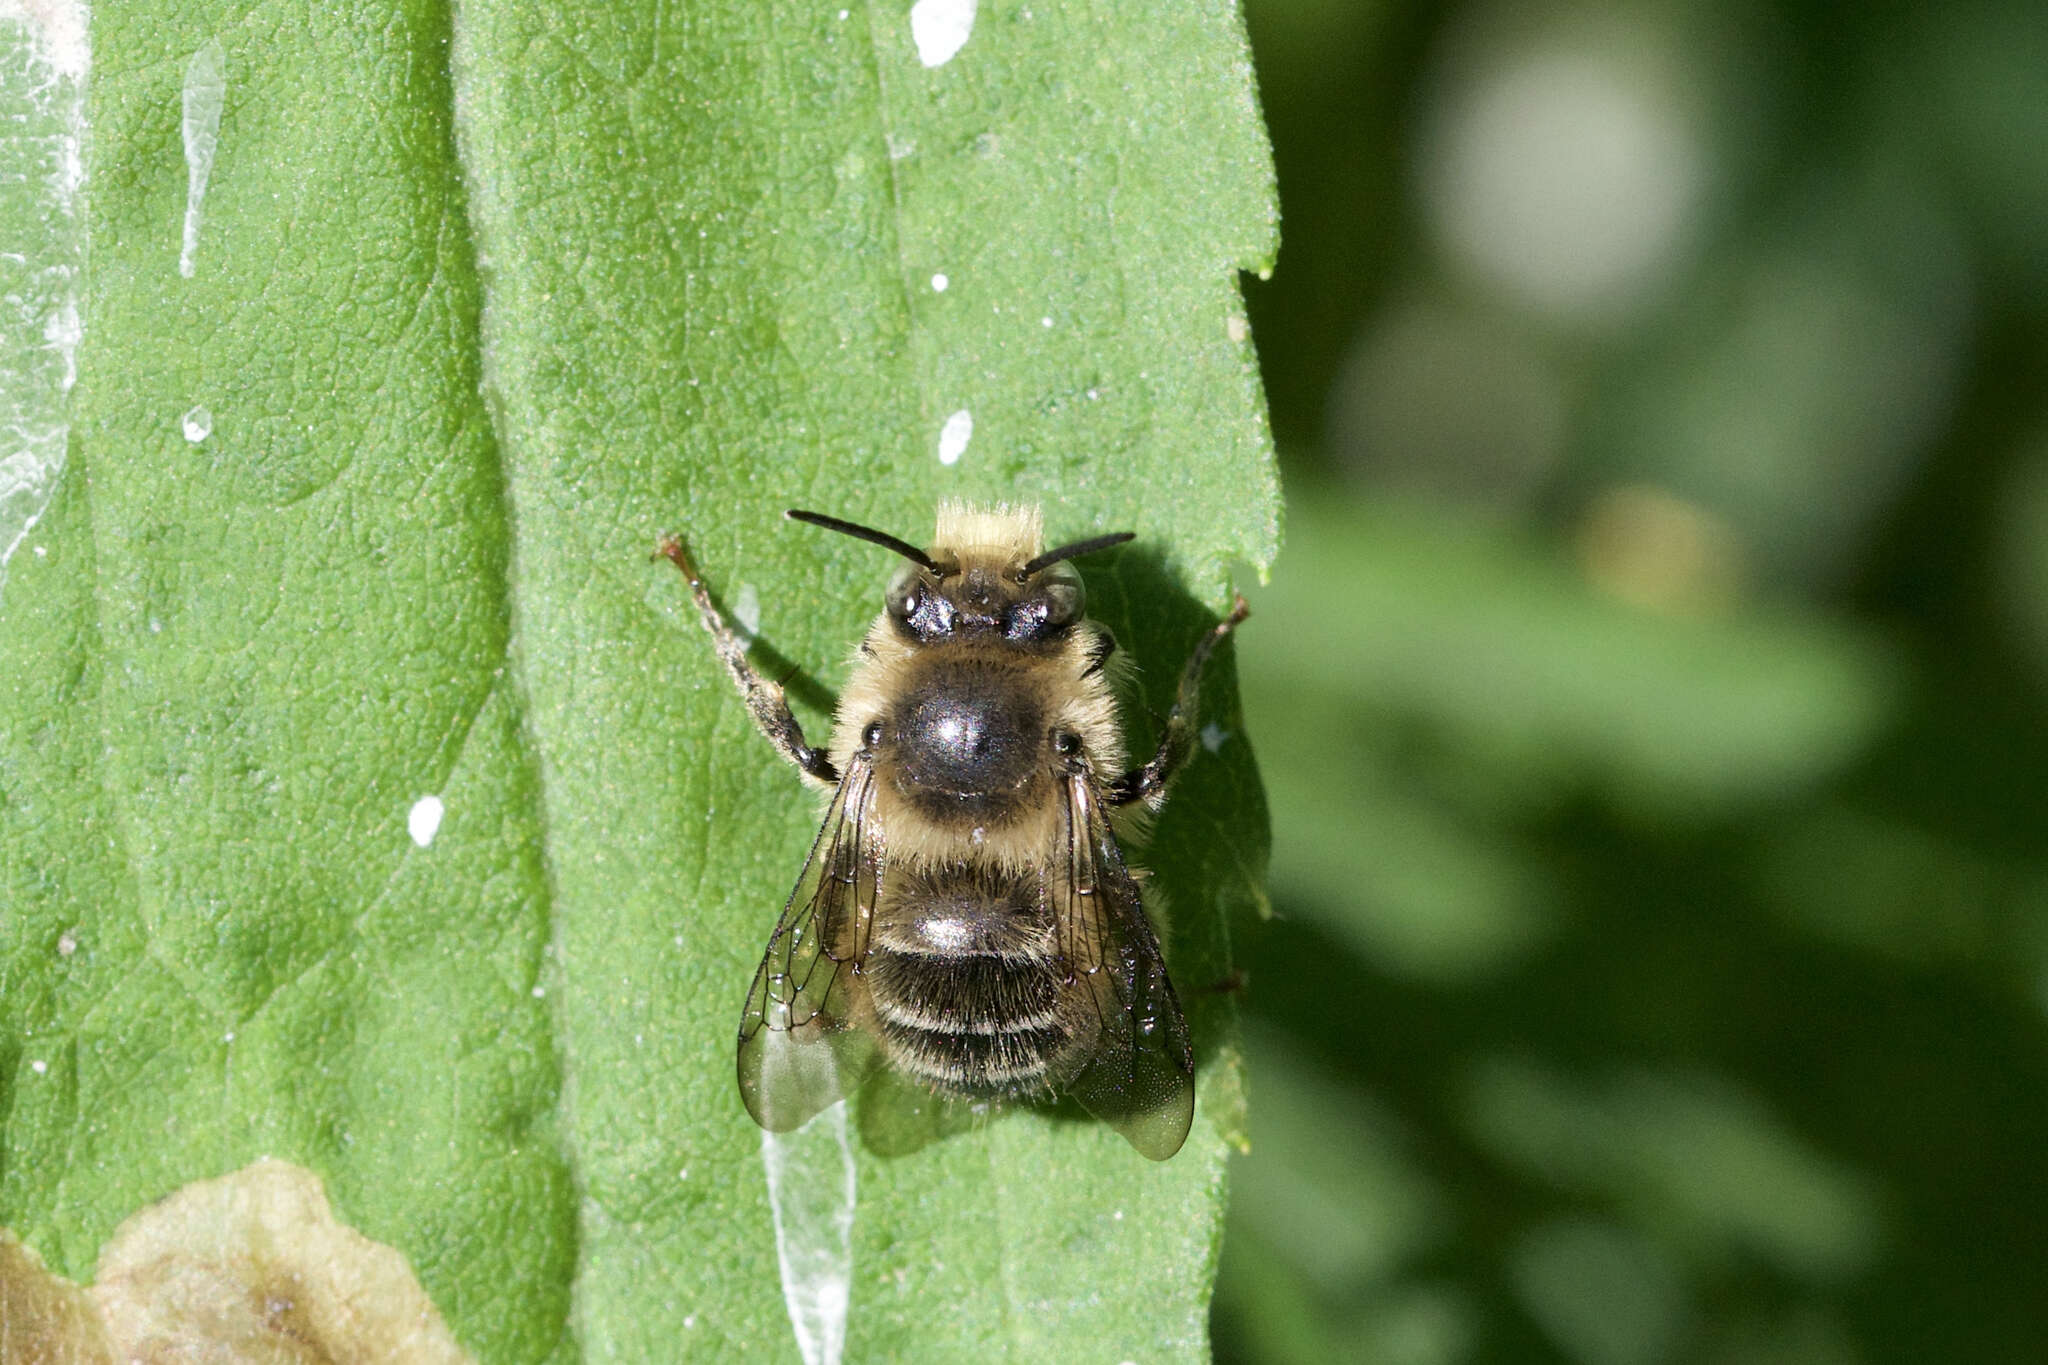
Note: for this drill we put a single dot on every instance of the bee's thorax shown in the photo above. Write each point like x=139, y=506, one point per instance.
x=966, y=742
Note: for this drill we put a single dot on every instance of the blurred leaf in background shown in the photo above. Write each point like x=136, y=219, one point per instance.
x=1651, y=695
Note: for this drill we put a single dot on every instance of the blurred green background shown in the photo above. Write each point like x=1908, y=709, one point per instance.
x=1651, y=692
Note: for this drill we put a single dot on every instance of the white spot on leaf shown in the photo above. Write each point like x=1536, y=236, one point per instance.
x=44, y=51
x=62, y=332
x=811, y=1195
x=939, y=283
x=1214, y=737
x=206, y=88
x=940, y=28
x=424, y=820
x=39, y=1066
x=198, y=424
x=57, y=32
x=954, y=436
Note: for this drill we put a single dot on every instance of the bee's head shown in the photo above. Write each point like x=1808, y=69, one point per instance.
x=996, y=585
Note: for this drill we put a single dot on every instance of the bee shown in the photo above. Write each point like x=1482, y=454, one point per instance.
x=965, y=916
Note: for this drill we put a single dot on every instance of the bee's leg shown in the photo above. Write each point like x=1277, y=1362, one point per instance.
x=1149, y=781
x=764, y=699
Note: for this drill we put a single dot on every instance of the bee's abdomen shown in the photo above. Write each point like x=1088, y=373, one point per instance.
x=968, y=991
x=978, y=1024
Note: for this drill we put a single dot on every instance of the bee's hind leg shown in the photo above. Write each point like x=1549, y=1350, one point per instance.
x=1148, y=782
x=765, y=701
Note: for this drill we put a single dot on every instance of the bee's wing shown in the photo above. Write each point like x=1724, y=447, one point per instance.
x=799, y=1052
x=1141, y=1076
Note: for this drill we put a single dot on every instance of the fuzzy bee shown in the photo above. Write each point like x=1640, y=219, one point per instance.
x=966, y=916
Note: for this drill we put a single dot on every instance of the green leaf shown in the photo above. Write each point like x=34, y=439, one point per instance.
x=1430, y=689
x=482, y=302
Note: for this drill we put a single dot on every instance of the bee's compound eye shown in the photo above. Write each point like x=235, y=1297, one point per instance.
x=906, y=593
x=871, y=736
x=1067, y=743
x=1052, y=602
x=1065, y=598
x=917, y=605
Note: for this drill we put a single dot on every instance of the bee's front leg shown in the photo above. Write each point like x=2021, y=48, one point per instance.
x=765, y=702
x=1148, y=783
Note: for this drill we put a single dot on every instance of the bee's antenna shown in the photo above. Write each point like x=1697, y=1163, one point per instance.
x=1075, y=550
x=872, y=536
